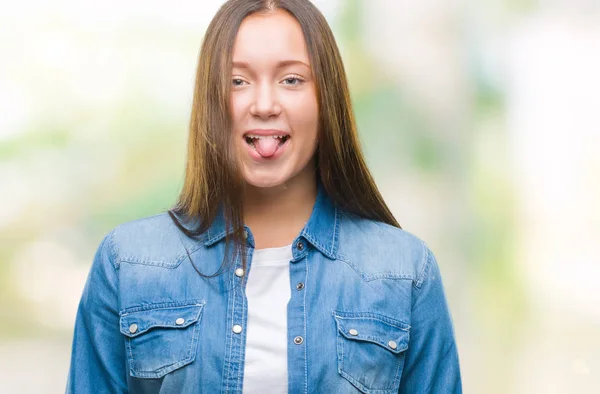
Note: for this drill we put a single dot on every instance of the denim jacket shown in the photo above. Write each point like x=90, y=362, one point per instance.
x=367, y=312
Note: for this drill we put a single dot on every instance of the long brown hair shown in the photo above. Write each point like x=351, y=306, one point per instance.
x=213, y=180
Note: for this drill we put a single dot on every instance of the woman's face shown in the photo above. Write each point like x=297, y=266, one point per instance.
x=273, y=100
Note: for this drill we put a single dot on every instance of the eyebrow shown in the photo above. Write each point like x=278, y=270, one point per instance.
x=280, y=64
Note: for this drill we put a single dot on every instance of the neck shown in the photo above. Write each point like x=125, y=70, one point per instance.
x=276, y=215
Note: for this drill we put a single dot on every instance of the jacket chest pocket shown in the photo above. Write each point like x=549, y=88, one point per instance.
x=370, y=350
x=160, y=338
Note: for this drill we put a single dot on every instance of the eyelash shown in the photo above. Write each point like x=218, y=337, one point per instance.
x=236, y=79
x=294, y=77
x=297, y=78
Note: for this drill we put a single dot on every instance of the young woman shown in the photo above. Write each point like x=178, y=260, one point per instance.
x=281, y=269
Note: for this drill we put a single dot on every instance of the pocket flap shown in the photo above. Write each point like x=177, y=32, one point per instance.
x=389, y=333
x=142, y=319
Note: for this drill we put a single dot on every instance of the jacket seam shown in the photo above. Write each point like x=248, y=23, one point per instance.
x=425, y=261
x=336, y=228
x=305, y=327
x=376, y=276
x=373, y=316
x=163, y=305
x=113, y=253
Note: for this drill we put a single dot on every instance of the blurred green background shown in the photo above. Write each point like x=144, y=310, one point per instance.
x=480, y=121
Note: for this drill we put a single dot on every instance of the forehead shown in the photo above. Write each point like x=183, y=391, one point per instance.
x=270, y=37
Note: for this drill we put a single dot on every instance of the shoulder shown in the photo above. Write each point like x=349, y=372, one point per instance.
x=152, y=240
x=378, y=250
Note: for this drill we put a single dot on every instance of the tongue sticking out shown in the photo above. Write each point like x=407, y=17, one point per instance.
x=266, y=147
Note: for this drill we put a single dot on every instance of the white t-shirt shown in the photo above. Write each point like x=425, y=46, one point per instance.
x=268, y=292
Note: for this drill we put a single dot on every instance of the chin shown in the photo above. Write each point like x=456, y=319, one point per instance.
x=265, y=180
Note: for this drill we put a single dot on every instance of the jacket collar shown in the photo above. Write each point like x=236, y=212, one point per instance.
x=321, y=229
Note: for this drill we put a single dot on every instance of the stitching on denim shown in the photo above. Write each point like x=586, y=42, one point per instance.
x=373, y=316
x=243, y=334
x=327, y=251
x=131, y=360
x=378, y=341
x=149, y=263
x=335, y=231
x=320, y=246
x=400, y=364
x=362, y=387
x=344, y=259
x=244, y=331
x=230, y=335
x=337, y=329
x=162, y=370
x=162, y=305
x=214, y=238
x=123, y=324
x=228, y=363
x=356, y=383
x=174, y=263
x=375, y=276
x=195, y=334
x=345, y=375
x=113, y=254
x=341, y=366
x=137, y=260
x=161, y=263
x=341, y=345
x=425, y=263
x=183, y=256
x=165, y=368
x=305, y=329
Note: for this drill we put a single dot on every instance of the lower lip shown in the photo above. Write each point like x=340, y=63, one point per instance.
x=256, y=156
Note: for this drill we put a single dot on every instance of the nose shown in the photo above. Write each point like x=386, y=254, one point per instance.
x=265, y=103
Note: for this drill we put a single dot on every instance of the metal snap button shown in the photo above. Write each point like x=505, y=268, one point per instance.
x=392, y=345
x=300, y=245
x=352, y=331
x=245, y=234
x=237, y=329
x=239, y=272
x=298, y=340
x=300, y=286
x=133, y=328
x=180, y=321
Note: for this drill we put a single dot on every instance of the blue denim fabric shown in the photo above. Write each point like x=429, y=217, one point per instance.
x=372, y=315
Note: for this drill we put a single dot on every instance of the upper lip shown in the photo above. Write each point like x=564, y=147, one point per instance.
x=266, y=132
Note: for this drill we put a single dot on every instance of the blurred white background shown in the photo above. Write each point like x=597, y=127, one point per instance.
x=480, y=121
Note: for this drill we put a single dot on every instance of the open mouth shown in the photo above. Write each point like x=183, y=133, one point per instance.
x=253, y=140
x=266, y=146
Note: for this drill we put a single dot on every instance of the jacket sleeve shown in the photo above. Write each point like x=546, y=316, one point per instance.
x=98, y=351
x=431, y=360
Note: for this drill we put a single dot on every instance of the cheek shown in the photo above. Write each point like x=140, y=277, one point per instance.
x=236, y=109
x=305, y=113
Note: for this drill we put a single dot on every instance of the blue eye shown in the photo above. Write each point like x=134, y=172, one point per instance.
x=237, y=82
x=293, y=81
